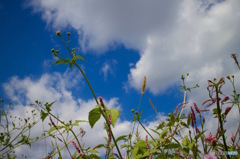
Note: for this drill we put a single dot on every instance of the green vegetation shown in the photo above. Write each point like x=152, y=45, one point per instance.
x=177, y=137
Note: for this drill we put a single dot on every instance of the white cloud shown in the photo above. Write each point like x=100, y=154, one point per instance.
x=108, y=68
x=171, y=37
x=54, y=87
x=69, y=108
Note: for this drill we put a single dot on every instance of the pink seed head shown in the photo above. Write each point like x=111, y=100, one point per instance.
x=196, y=107
x=224, y=99
x=227, y=110
x=101, y=100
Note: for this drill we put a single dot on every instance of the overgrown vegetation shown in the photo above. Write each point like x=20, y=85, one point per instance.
x=180, y=136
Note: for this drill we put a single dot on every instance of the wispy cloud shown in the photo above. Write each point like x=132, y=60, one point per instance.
x=108, y=68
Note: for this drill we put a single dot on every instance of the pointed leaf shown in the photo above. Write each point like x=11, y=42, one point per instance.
x=93, y=116
x=114, y=116
x=123, y=137
x=43, y=115
x=79, y=57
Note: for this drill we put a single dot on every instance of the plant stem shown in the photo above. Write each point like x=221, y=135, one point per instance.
x=220, y=121
x=146, y=130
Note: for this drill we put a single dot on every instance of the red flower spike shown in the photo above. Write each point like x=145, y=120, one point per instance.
x=52, y=122
x=227, y=110
x=175, y=111
x=196, y=107
x=193, y=117
x=211, y=138
x=224, y=99
x=76, y=146
x=232, y=137
x=109, y=119
x=101, y=100
x=197, y=130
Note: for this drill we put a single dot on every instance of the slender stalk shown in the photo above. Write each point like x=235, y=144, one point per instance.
x=220, y=121
x=85, y=77
x=146, y=130
x=135, y=120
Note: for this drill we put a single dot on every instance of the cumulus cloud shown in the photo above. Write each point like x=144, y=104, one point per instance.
x=58, y=87
x=171, y=37
x=70, y=108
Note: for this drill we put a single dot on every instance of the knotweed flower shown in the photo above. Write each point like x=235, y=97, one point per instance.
x=203, y=120
x=59, y=138
x=109, y=119
x=197, y=130
x=76, y=146
x=52, y=121
x=193, y=117
x=179, y=155
x=196, y=107
x=211, y=138
x=175, y=111
x=224, y=99
x=208, y=156
x=232, y=137
x=101, y=100
x=204, y=110
x=227, y=110
x=148, y=146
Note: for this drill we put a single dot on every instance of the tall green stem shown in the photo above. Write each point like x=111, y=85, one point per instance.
x=220, y=121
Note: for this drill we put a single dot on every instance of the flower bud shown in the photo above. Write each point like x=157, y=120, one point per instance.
x=58, y=33
x=68, y=33
x=52, y=50
x=228, y=77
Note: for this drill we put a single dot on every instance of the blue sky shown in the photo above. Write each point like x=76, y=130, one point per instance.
x=121, y=42
x=26, y=51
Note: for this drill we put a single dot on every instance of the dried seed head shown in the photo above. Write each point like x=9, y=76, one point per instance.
x=228, y=77
x=144, y=84
x=58, y=33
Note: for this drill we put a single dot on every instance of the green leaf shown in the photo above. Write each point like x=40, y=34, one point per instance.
x=141, y=143
x=163, y=133
x=191, y=144
x=93, y=116
x=78, y=121
x=199, y=135
x=189, y=120
x=72, y=63
x=155, y=131
x=58, y=150
x=61, y=61
x=172, y=146
x=94, y=156
x=93, y=151
x=185, y=141
x=43, y=115
x=123, y=137
x=48, y=106
x=99, y=146
x=79, y=57
x=53, y=128
x=114, y=116
x=184, y=124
